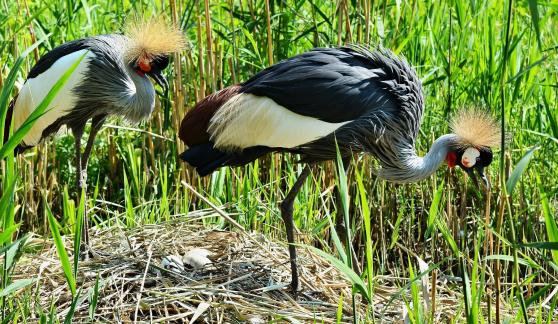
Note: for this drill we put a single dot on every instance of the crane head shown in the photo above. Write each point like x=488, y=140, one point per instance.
x=472, y=159
x=476, y=132
x=153, y=67
x=151, y=42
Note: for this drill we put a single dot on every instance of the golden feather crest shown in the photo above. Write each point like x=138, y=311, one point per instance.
x=476, y=127
x=152, y=37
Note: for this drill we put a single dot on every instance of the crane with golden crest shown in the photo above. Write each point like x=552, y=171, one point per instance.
x=111, y=79
x=351, y=98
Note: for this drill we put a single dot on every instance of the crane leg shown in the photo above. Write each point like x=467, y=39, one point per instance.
x=81, y=167
x=340, y=219
x=96, y=125
x=81, y=179
x=287, y=215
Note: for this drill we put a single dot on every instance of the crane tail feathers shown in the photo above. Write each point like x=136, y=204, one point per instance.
x=204, y=158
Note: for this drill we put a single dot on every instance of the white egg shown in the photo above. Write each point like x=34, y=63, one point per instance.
x=197, y=258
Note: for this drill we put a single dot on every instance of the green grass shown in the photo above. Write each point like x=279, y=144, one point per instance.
x=498, y=55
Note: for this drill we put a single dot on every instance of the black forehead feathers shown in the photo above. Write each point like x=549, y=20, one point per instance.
x=160, y=62
x=485, y=156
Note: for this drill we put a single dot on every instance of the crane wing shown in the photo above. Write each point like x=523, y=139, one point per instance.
x=36, y=88
x=48, y=59
x=332, y=85
x=308, y=97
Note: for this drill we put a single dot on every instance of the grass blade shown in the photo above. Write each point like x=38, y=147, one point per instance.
x=71, y=312
x=549, y=220
x=541, y=245
x=78, y=230
x=433, y=211
x=349, y=273
x=7, y=200
x=12, y=251
x=535, y=19
x=16, y=285
x=6, y=235
x=367, y=231
x=537, y=295
x=94, y=298
x=519, y=169
x=62, y=254
x=344, y=197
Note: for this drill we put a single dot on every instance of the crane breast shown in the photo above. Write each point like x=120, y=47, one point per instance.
x=248, y=120
x=35, y=89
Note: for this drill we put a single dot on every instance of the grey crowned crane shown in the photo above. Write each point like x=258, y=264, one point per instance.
x=111, y=79
x=363, y=100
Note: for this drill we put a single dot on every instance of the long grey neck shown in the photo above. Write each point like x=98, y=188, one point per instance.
x=140, y=100
x=416, y=168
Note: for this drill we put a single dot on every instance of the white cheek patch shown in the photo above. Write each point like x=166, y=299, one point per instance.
x=469, y=157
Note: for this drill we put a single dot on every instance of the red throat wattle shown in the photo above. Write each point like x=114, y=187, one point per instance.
x=451, y=158
x=144, y=65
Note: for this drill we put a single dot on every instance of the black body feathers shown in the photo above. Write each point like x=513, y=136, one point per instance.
x=379, y=95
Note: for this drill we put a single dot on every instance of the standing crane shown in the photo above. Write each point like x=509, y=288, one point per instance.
x=111, y=79
x=352, y=98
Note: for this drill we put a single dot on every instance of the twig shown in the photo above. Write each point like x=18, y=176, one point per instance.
x=149, y=253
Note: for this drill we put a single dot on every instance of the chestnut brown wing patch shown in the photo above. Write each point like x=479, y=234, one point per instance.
x=193, y=129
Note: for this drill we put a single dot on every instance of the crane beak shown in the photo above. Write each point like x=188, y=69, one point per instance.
x=160, y=79
x=473, y=176
x=485, y=182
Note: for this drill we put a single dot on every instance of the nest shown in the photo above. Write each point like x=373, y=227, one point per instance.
x=243, y=283
x=246, y=279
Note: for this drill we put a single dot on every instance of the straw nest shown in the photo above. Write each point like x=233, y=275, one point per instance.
x=243, y=283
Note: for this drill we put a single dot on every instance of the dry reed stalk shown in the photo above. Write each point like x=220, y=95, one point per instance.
x=348, y=32
x=497, y=267
x=32, y=34
x=488, y=237
x=209, y=42
x=433, y=294
x=269, y=41
x=178, y=93
x=201, y=69
x=339, y=22
x=231, y=67
x=219, y=61
x=367, y=5
x=151, y=149
x=149, y=254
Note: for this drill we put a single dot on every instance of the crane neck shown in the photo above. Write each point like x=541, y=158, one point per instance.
x=140, y=99
x=415, y=168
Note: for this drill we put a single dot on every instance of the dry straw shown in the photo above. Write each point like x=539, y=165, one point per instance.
x=243, y=284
